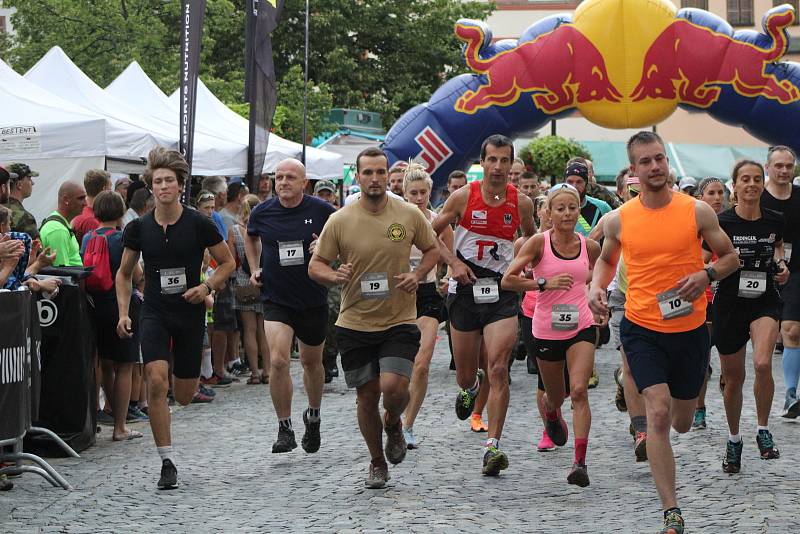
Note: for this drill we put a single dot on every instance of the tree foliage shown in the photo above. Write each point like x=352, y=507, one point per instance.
x=548, y=155
x=381, y=55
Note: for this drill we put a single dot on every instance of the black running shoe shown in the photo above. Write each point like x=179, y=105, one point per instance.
x=311, y=438
x=579, y=475
x=732, y=463
x=494, y=461
x=673, y=523
x=557, y=430
x=766, y=445
x=285, y=441
x=169, y=476
x=619, y=400
x=465, y=401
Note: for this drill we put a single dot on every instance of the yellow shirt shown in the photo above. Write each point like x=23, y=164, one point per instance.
x=378, y=245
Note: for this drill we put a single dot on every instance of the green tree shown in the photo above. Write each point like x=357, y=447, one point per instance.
x=548, y=155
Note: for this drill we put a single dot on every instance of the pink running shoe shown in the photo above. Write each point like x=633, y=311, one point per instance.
x=545, y=444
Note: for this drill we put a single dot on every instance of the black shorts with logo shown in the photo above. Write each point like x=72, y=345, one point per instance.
x=732, y=318
x=365, y=355
x=555, y=350
x=467, y=316
x=309, y=325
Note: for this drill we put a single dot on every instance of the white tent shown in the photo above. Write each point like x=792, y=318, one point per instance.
x=57, y=73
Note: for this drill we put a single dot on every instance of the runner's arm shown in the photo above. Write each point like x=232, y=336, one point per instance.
x=452, y=211
x=225, y=267
x=320, y=271
x=124, y=288
x=526, y=220
x=252, y=249
x=597, y=232
x=708, y=226
x=783, y=269
x=530, y=252
x=606, y=265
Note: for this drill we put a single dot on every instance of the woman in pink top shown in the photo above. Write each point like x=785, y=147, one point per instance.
x=563, y=325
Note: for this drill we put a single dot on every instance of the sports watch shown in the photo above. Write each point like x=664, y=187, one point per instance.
x=541, y=282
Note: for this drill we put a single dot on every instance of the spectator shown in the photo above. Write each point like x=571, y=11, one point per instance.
x=205, y=203
x=20, y=188
x=264, y=187
x=121, y=186
x=16, y=267
x=232, y=211
x=117, y=356
x=141, y=203
x=517, y=168
x=94, y=182
x=56, y=232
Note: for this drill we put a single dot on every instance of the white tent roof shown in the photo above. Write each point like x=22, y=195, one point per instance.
x=57, y=73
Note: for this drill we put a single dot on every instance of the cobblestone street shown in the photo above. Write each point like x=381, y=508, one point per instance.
x=230, y=481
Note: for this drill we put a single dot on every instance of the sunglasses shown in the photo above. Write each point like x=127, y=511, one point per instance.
x=632, y=191
x=205, y=197
x=559, y=187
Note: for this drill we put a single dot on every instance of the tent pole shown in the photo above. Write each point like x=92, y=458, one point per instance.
x=305, y=89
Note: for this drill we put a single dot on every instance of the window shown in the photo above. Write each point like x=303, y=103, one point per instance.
x=740, y=12
x=699, y=4
x=794, y=4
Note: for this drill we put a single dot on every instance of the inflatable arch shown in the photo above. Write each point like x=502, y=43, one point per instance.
x=621, y=64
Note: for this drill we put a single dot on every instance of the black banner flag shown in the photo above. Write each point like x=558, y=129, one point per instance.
x=192, y=14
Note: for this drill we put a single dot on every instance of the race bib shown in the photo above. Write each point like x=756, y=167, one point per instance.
x=374, y=286
x=291, y=253
x=787, y=252
x=564, y=317
x=752, y=284
x=485, y=291
x=173, y=281
x=673, y=306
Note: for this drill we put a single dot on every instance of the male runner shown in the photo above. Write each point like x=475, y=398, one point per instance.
x=515, y=173
x=376, y=330
x=780, y=195
x=488, y=214
x=172, y=240
x=281, y=235
x=663, y=331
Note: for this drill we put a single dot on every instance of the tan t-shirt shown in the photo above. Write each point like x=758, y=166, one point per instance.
x=379, y=246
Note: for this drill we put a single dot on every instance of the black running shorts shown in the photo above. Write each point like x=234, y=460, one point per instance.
x=732, y=318
x=555, y=350
x=467, y=316
x=179, y=333
x=790, y=294
x=429, y=302
x=309, y=325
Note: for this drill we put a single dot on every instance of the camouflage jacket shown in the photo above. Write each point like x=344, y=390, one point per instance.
x=599, y=192
x=21, y=219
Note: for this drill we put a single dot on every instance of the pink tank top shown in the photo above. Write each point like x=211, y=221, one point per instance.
x=561, y=314
x=529, y=299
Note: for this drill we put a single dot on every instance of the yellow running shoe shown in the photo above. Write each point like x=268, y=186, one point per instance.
x=476, y=423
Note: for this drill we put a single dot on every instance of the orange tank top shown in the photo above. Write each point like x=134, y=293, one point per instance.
x=659, y=247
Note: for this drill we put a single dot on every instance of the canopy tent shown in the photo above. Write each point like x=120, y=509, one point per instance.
x=212, y=113
x=57, y=73
x=349, y=143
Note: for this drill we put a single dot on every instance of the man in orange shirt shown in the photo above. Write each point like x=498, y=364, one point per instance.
x=663, y=331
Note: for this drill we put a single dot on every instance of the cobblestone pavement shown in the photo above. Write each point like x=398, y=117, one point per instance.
x=230, y=481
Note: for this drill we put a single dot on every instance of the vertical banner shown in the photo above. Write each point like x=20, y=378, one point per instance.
x=15, y=363
x=260, y=84
x=192, y=14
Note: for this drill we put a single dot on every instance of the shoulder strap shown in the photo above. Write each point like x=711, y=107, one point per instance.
x=57, y=218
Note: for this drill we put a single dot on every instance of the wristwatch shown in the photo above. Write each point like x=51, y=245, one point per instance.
x=208, y=287
x=541, y=282
x=712, y=273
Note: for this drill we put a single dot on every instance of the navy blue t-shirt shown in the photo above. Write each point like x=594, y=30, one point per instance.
x=285, y=237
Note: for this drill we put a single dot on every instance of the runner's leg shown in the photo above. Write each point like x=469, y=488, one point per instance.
x=422, y=362
x=662, y=462
x=733, y=371
x=763, y=332
x=279, y=337
x=500, y=337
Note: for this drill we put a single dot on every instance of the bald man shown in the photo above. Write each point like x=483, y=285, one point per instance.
x=281, y=236
x=56, y=232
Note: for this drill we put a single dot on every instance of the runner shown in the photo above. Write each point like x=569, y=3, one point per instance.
x=417, y=187
x=377, y=335
x=564, y=328
x=747, y=306
x=488, y=214
x=712, y=192
x=279, y=233
x=172, y=240
x=663, y=330
x=780, y=195
x=515, y=173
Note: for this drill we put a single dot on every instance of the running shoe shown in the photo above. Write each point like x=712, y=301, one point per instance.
x=169, y=475
x=395, y=448
x=465, y=401
x=619, y=399
x=545, y=444
x=579, y=475
x=640, y=446
x=311, y=438
x=766, y=445
x=285, y=441
x=557, y=430
x=618, y=378
x=699, y=422
x=200, y=398
x=231, y=377
x=732, y=463
x=673, y=523
x=476, y=423
x=494, y=461
x=104, y=418
x=205, y=390
x=594, y=380
x=135, y=415
x=411, y=439
x=377, y=476
x=217, y=381
x=791, y=409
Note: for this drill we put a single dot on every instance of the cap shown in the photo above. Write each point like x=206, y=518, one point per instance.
x=686, y=182
x=122, y=181
x=235, y=180
x=324, y=184
x=632, y=180
x=21, y=170
x=5, y=175
x=577, y=169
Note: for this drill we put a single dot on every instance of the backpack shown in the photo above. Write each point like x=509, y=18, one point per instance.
x=97, y=255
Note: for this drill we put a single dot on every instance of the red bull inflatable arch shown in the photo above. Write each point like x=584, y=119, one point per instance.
x=621, y=64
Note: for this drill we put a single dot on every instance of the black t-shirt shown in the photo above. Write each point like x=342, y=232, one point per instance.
x=754, y=241
x=169, y=254
x=790, y=209
x=285, y=237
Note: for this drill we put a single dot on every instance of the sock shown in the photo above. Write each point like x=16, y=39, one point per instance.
x=551, y=416
x=475, y=387
x=580, y=450
x=285, y=424
x=791, y=367
x=206, y=368
x=673, y=509
x=313, y=414
x=639, y=423
x=491, y=442
x=760, y=428
x=166, y=453
x=477, y=414
x=734, y=439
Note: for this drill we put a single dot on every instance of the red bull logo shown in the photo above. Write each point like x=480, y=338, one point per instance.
x=561, y=68
x=673, y=70
x=434, y=150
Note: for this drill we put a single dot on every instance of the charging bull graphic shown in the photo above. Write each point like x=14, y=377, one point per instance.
x=617, y=72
